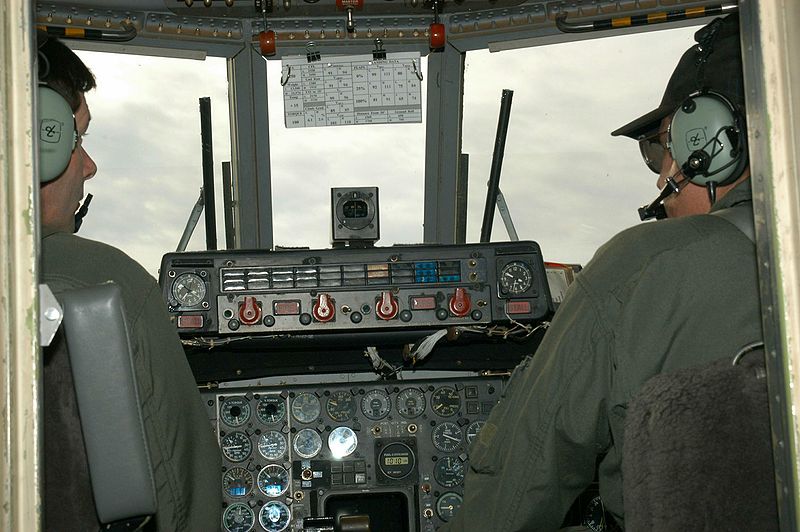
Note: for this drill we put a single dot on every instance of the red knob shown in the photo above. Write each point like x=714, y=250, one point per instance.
x=387, y=307
x=323, y=309
x=249, y=311
x=266, y=42
x=460, y=303
x=437, y=37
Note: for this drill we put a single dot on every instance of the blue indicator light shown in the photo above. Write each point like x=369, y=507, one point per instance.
x=238, y=491
x=450, y=278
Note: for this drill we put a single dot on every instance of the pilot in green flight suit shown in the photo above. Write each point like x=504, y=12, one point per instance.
x=657, y=297
x=183, y=451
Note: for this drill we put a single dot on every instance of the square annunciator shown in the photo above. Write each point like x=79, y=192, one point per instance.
x=355, y=221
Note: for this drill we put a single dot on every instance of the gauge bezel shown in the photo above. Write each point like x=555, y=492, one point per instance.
x=243, y=473
x=282, y=507
x=316, y=438
x=509, y=290
x=275, y=399
x=440, y=501
x=385, y=401
x=447, y=465
x=334, y=439
x=244, y=404
x=299, y=409
x=345, y=406
x=438, y=433
x=419, y=409
x=262, y=443
x=231, y=508
x=181, y=281
x=279, y=472
x=442, y=408
x=236, y=434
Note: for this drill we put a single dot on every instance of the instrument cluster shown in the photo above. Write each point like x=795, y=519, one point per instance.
x=396, y=451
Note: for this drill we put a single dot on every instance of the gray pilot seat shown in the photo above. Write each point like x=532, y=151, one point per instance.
x=98, y=474
x=698, y=450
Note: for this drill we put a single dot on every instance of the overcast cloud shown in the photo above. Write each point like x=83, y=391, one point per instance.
x=568, y=184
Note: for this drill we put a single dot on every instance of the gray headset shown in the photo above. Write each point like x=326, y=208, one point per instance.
x=57, y=131
x=708, y=139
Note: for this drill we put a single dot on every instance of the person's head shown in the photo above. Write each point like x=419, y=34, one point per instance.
x=63, y=80
x=697, y=136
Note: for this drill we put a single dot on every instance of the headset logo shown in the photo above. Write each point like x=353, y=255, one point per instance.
x=50, y=131
x=696, y=139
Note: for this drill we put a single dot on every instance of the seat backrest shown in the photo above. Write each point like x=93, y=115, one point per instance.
x=106, y=393
x=698, y=450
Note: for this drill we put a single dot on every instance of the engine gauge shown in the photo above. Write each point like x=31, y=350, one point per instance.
x=473, y=429
x=341, y=406
x=445, y=401
x=189, y=290
x=274, y=516
x=273, y=480
x=342, y=442
x=272, y=445
x=307, y=443
x=237, y=482
x=449, y=471
x=236, y=446
x=448, y=505
x=376, y=404
x=235, y=411
x=447, y=437
x=238, y=517
x=306, y=407
x=271, y=410
x=410, y=403
x=515, y=278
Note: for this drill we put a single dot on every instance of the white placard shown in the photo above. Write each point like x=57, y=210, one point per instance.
x=352, y=89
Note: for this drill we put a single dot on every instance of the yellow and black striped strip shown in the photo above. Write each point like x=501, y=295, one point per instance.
x=90, y=34
x=642, y=20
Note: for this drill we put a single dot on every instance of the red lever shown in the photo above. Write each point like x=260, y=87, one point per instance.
x=387, y=307
x=323, y=309
x=249, y=311
x=437, y=36
x=460, y=303
x=266, y=42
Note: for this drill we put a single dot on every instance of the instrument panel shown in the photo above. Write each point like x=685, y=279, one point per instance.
x=347, y=290
x=394, y=450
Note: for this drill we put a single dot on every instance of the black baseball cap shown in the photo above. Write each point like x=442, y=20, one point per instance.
x=713, y=64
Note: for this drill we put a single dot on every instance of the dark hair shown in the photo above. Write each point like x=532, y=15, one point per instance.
x=62, y=70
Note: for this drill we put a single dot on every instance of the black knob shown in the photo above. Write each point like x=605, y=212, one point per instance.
x=269, y=320
x=356, y=317
x=305, y=318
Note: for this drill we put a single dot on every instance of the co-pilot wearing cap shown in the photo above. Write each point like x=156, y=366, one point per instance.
x=656, y=298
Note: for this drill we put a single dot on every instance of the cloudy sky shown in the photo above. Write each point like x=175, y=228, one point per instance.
x=568, y=184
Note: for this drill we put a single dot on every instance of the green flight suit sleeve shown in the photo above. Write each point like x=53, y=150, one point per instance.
x=537, y=451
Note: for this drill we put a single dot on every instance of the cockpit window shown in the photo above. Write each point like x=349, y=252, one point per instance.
x=568, y=184
x=145, y=139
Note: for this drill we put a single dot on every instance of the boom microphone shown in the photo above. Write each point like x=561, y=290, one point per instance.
x=656, y=208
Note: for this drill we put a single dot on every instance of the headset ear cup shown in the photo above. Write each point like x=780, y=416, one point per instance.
x=707, y=140
x=56, y=130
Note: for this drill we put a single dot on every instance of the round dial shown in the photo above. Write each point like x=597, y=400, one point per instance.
x=274, y=516
x=236, y=446
x=341, y=406
x=594, y=515
x=342, y=442
x=273, y=480
x=307, y=443
x=376, y=404
x=238, y=517
x=271, y=410
x=189, y=289
x=237, y=482
x=447, y=437
x=272, y=445
x=306, y=407
x=445, y=401
x=449, y=471
x=473, y=429
x=448, y=505
x=515, y=278
x=410, y=403
x=235, y=411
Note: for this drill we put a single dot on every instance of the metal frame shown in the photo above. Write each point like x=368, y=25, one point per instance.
x=20, y=361
x=772, y=79
x=247, y=76
x=443, y=144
